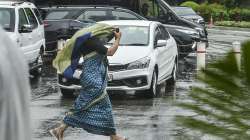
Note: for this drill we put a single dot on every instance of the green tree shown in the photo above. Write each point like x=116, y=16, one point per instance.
x=222, y=107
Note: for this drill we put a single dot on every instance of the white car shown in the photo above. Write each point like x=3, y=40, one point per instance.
x=22, y=22
x=147, y=56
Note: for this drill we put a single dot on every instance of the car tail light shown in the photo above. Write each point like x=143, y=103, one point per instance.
x=46, y=24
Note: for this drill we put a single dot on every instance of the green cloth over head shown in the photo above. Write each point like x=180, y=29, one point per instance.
x=68, y=57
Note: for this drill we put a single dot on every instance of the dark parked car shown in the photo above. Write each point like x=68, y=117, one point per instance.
x=157, y=10
x=62, y=22
x=188, y=13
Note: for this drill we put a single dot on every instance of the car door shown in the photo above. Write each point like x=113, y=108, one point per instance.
x=160, y=52
x=23, y=38
x=35, y=37
x=168, y=54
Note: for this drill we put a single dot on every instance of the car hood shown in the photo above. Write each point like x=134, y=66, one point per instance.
x=128, y=54
x=180, y=36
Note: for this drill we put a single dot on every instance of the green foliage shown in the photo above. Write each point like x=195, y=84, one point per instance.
x=221, y=13
x=218, y=11
x=222, y=107
x=191, y=4
x=230, y=3
x=242, y=24
x=240, y=14
x=205, y=11
x=245, y=14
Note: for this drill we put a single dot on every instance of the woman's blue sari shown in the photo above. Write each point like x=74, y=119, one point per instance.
x=92, y=108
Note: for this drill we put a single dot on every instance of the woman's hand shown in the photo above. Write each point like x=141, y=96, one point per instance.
x=118, y=35
x=113, y=49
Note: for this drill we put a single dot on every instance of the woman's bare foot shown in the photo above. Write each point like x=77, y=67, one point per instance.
x=58, y=132
x=116, y=137
x=55, y=133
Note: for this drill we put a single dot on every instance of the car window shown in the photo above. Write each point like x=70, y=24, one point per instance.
x=160, y=34
x=94, y=15
x=153, y=10
x=31, y=17
x=57, y=15
x=184, y=11
x=7, y=19
x=120, y=15
x=38, y=15
x=22, y=19
x=164, y=33
x=157, y=35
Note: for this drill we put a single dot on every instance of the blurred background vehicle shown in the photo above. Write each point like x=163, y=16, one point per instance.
x=147, y=56
x=156, y=10
x=61, y=22
x=188, y=13
x=22, y=22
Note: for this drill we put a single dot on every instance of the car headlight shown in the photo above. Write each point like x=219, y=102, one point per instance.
x=139, y=64
x=201, y=31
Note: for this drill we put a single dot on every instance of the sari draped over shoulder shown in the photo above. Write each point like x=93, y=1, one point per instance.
x=92, y=108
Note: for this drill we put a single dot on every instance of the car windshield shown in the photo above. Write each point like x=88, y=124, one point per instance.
x=7, y=19
x=184, y=11
x=54, y=15
x=133, y=36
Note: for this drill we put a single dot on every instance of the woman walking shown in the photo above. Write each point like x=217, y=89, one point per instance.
x=92, y=108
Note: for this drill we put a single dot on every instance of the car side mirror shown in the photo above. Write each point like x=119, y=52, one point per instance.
x=26, y=28
x=161, y=43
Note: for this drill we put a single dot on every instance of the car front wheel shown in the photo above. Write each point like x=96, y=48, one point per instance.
x=37, y=71
x=173, y=78
x=152, y=92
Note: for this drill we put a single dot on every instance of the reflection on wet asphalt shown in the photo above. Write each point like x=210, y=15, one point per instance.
x=137, y=117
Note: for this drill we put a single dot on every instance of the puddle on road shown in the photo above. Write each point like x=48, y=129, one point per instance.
x=45, y=84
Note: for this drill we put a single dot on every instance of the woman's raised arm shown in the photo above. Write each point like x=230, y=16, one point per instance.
x=114, y=47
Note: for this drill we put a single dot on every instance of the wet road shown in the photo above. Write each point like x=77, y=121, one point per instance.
x=136, y=117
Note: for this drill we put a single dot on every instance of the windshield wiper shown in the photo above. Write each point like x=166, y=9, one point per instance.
x=134, y=44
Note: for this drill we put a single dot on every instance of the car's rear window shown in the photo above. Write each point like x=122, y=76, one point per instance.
x=57, y=15
x=121, y=15
x=7, y=19
x=94, y=15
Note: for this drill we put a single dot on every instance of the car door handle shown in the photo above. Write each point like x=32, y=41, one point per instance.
x=30, y=37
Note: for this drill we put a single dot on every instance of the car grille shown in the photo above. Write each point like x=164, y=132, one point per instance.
x=117, y=67
x=116, y=83
x=130, y=82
